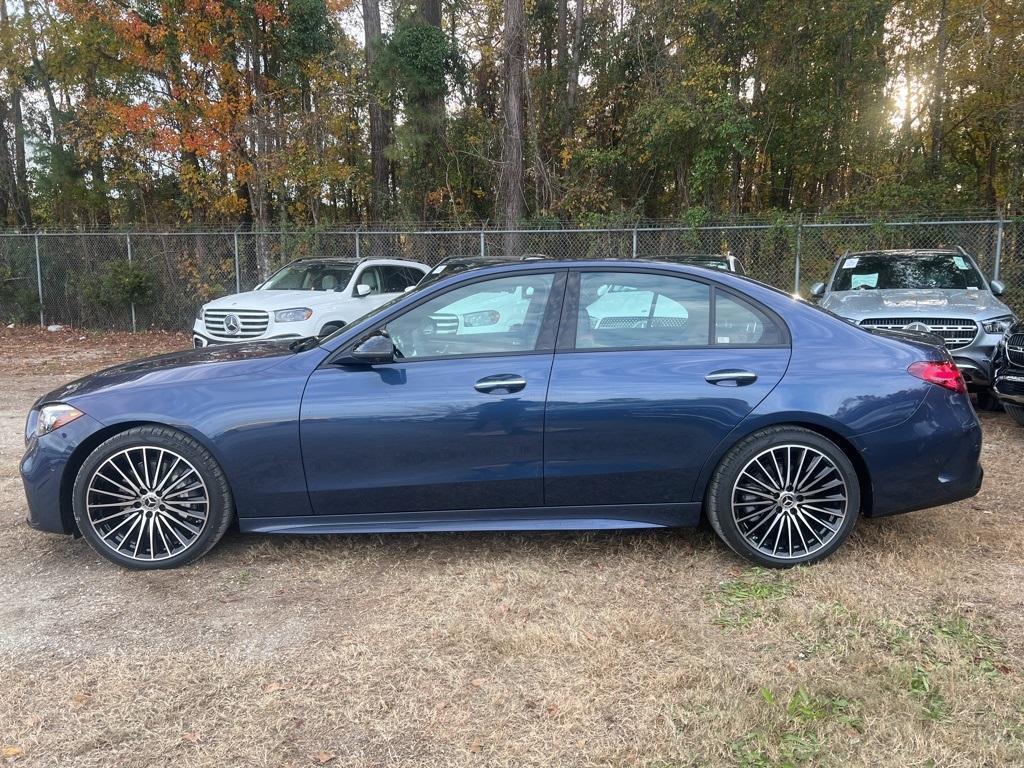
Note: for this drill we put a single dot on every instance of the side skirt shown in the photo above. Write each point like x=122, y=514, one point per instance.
x=523, y=519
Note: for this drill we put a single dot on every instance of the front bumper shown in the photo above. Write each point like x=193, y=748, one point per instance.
x=46, y=479
x=200, y=340
x=1009, y=387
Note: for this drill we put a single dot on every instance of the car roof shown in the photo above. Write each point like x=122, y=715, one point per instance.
x=906, y=252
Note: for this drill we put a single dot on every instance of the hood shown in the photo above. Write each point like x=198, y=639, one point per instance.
x=271, y=300
x=191, y=364
x=910, y=303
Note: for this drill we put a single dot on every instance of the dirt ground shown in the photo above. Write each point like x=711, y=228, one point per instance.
x=657, y=649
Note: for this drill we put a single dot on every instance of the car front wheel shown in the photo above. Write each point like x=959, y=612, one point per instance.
x=151, y=497
x=784, y=496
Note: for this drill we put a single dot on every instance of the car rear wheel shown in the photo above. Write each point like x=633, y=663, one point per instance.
x=784, y=496
x=151, y=497
x=1017, y=411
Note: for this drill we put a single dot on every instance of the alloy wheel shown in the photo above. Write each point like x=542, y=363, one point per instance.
x=147, y=503
x=789, y=501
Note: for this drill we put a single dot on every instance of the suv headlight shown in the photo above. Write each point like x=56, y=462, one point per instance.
x=482, y=318
x=48, y=418
x=294, y=315
x=999, y=325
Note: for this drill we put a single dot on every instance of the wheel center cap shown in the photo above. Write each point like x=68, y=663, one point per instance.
x=787, y=500
x=150, y=501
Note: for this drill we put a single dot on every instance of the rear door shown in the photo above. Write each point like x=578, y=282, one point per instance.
x=653, y=369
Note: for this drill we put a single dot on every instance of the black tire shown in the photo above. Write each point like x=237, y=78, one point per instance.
x=158, y=479
x=330, y=328
x=785, y=508
x=1016, y=411
x=987, y=401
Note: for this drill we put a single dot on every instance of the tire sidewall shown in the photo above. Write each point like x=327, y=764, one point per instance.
x=720, y=496
x=219, y=507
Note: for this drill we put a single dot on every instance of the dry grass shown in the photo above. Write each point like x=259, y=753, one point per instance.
x=656, y=649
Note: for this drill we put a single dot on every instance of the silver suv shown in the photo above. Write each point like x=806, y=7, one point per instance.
x=941, y=292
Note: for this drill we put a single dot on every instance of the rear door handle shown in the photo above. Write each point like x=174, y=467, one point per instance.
x=738, y=378
x=508, y=382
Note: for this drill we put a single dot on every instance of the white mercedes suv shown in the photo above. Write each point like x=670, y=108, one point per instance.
x=309, y=297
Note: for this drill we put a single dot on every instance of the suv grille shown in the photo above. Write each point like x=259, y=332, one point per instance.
x=956, y=332
x=252, y=323
x=1015, y=349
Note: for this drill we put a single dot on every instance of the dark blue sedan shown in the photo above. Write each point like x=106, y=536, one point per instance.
x=537, y=395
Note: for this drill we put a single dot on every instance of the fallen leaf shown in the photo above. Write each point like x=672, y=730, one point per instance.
x=12, y=753
x=191, y=737
x=274, y=687
x=477, y=681
x=322, y=758
x=475, y=747
x=79, y=699
x=33, y=721
x=552, y=709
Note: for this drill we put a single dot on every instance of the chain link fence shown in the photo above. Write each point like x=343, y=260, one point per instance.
x=142, y=280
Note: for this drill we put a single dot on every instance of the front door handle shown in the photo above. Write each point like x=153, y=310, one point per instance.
x=507, y=382
x=738, y=378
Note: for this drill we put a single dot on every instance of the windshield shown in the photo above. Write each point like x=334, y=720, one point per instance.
x=310, y=276
x=880, y=272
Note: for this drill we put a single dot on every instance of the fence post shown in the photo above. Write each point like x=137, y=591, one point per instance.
x=999, y=247
x=238, y=268
x=39, y=280
x=128, y=240
x=358, y=252
x=799, y=236
x=483, y=243
x=634, y=241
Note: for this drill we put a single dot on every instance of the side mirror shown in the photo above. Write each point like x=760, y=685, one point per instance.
x=817, y=290
x=376, y=350
x=998, y=287
x=363, y=290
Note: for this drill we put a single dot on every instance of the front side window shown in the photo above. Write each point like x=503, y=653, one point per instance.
x=632, y=309
x=503, y=315
x=868, y=272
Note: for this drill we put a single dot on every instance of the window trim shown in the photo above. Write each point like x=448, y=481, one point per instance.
x=546, y=337
x=570, y=310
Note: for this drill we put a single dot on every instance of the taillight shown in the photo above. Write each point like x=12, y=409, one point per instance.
x=944, y=373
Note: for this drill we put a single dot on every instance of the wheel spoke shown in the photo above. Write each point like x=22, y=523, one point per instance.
x=789, y=501
x=156, y=508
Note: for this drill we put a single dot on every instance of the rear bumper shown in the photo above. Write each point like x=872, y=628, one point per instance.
x=928, y=461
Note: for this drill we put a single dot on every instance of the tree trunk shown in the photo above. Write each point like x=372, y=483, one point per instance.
x=573, y=84
x=20, y=198
x=939, y=91
x=510, y=183
x=379, y=118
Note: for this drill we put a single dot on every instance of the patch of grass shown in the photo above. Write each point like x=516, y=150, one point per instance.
x=800, y=736
x=752, y=596
x=933, y=704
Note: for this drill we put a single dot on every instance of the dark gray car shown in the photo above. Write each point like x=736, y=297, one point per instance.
x=941, y=292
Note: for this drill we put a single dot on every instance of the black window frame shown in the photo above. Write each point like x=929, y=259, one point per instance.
x=568, y=322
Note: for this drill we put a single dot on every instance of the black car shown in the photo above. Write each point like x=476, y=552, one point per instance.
x=724, y=262
x=1009, y=373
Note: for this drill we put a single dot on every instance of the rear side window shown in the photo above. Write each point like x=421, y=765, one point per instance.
x=738, y=322
x=619, y=310
x=634, y=309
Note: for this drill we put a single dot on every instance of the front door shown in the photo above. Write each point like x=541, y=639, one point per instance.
x=654, y=371
x=455, y=422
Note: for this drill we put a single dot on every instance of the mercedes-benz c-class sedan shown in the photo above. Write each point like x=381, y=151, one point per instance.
x=625, y=394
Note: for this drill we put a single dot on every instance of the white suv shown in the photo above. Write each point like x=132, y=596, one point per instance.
x=309, y=297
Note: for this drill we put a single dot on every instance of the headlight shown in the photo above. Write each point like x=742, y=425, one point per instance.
x=48, y=418
x=294, y=315
x=478, y=319
x=999, y=325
